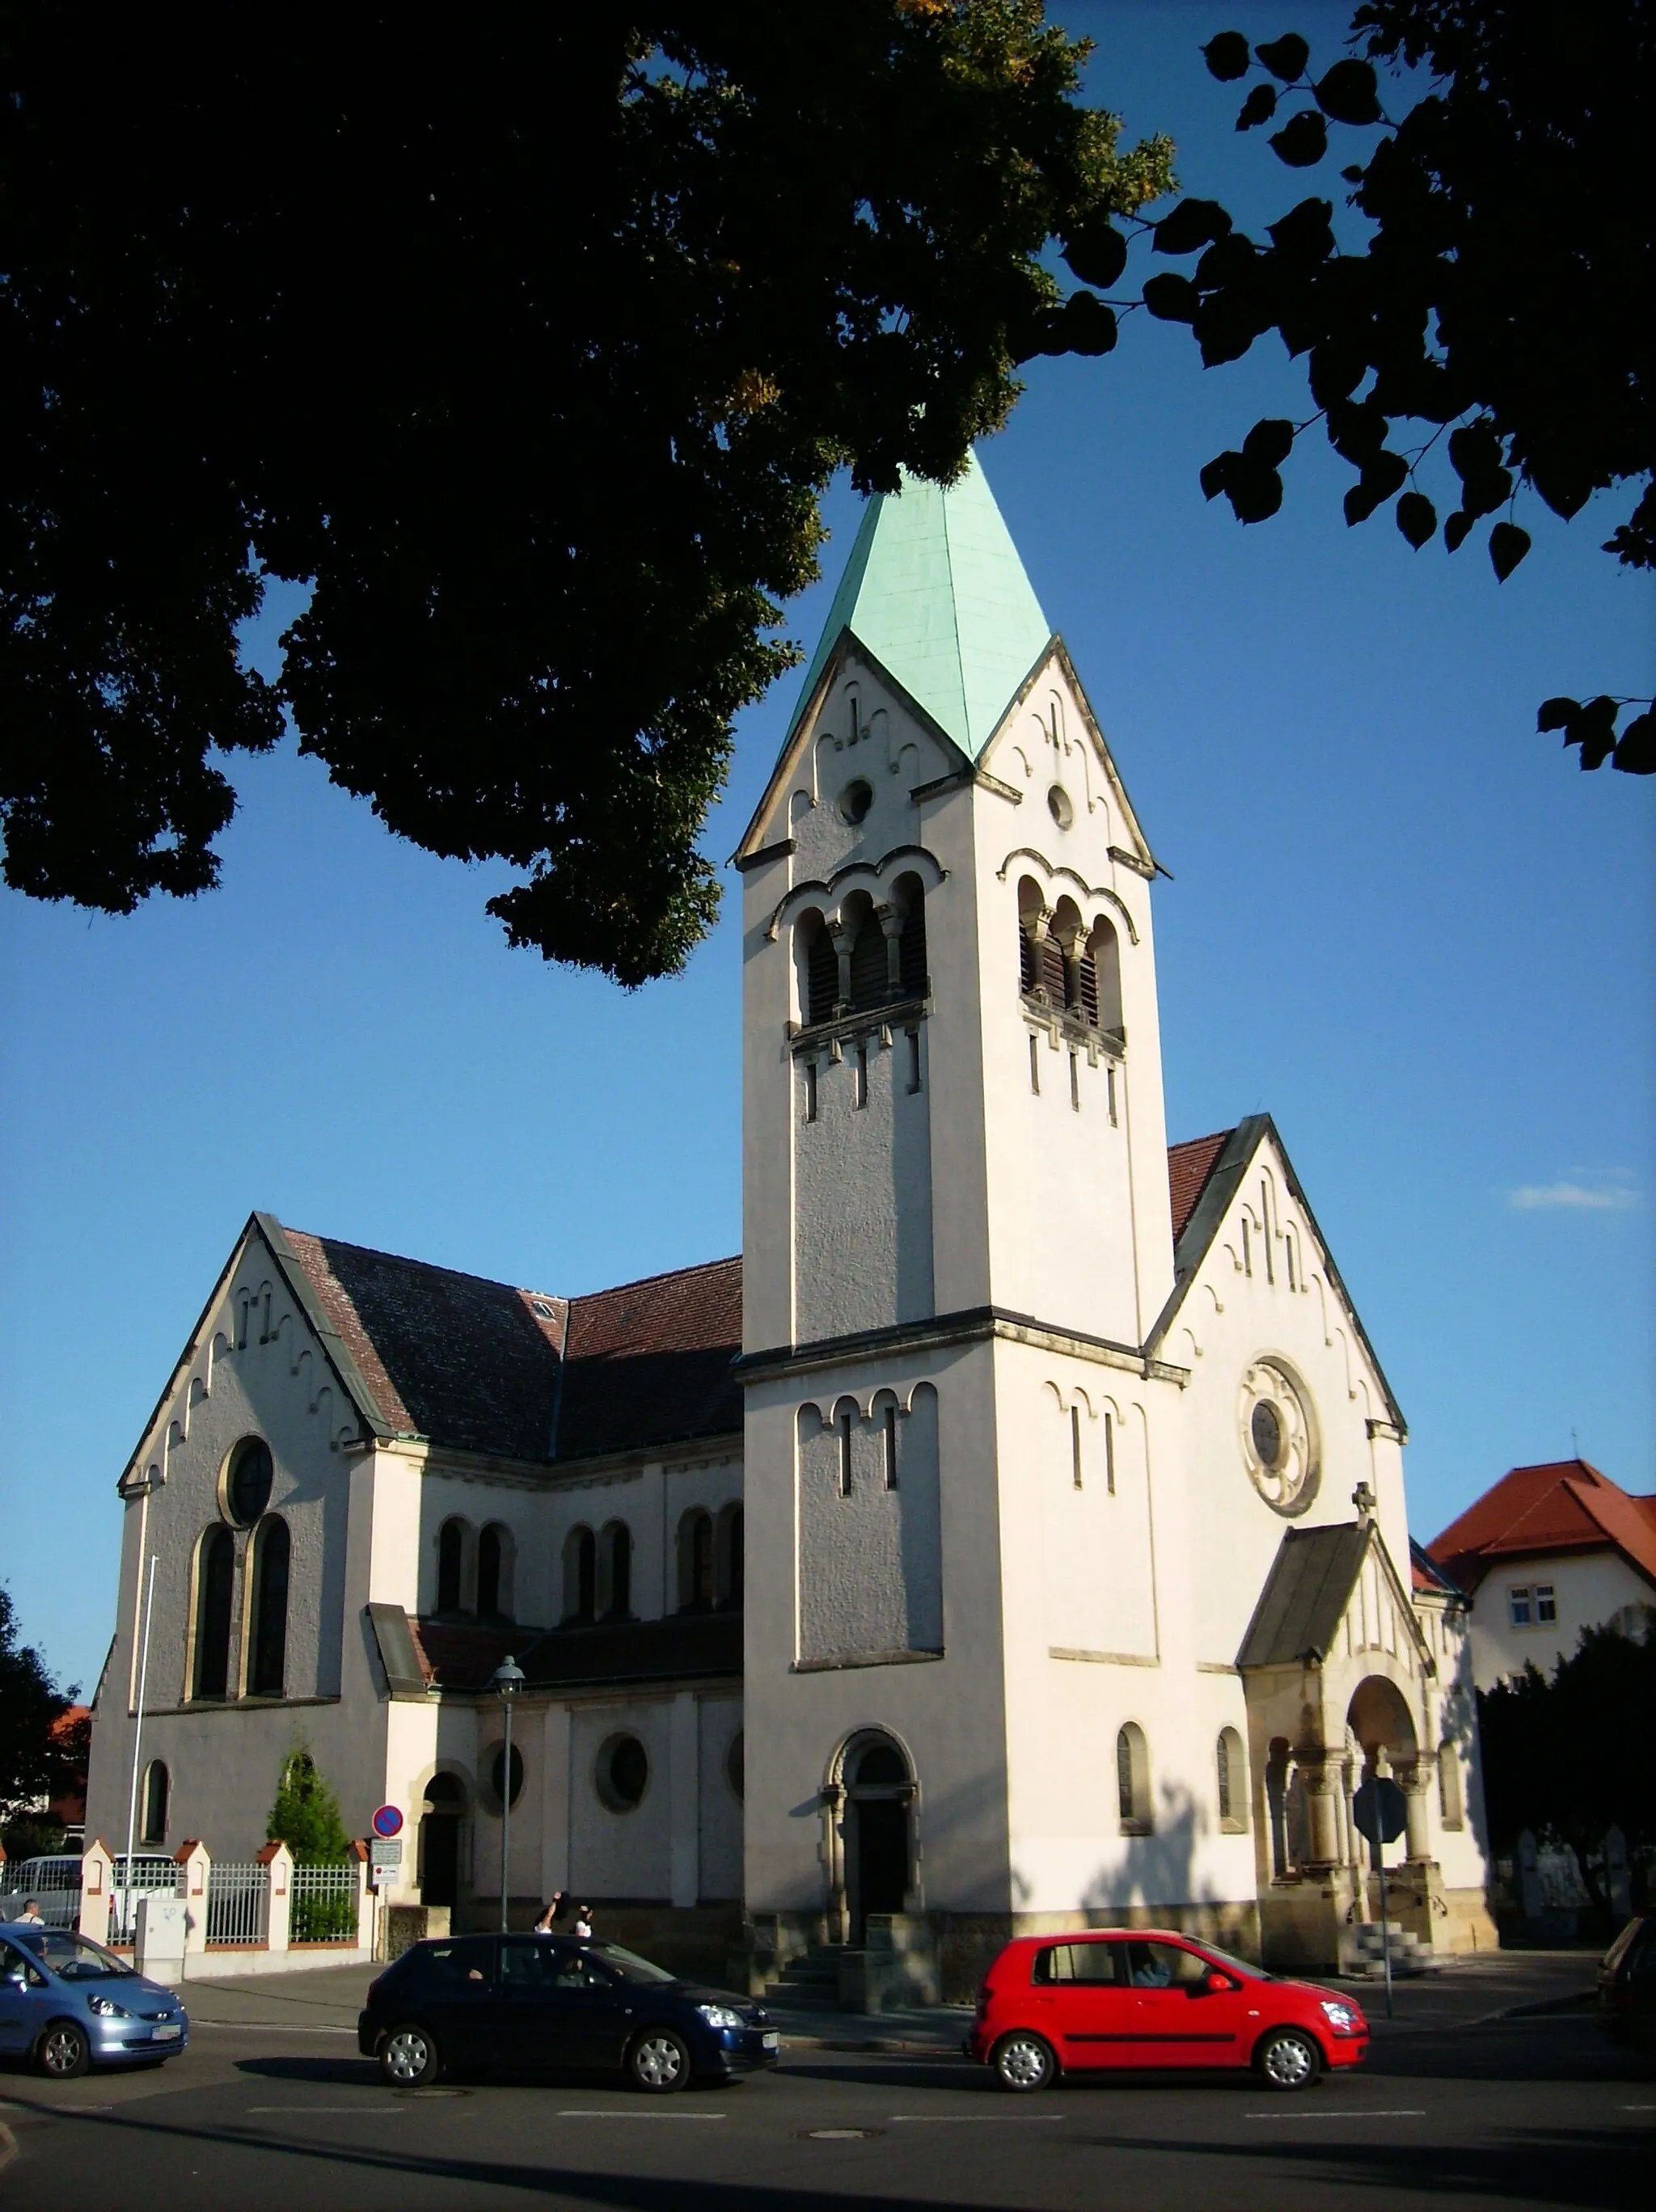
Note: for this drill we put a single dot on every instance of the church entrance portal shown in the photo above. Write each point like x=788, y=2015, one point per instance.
x=880, y=1790
x=440, y=1840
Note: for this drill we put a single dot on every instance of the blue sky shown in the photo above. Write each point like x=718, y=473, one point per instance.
x=1399, y=920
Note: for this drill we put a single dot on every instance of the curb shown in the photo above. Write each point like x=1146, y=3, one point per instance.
x=890, y=2046
x=8, y=2146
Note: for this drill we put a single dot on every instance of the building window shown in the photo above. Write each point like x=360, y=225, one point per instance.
x=622, y=1773
x=1230, y=1761
x=1546, y=1604
x=1518, y=1606
x=498, y=1775
x=271, y=1555
x=494, y=1572
x=697, y=1588
x=155, y=1791
x=580, y=1577
x=730, y=1563
x=615, y=1572
x=248, y=1476
x=820, y=982
x=1133, y=1780
x=735, y=1766
x=214, y=1594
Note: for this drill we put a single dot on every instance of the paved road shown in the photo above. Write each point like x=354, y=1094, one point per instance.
x=1528, y=2111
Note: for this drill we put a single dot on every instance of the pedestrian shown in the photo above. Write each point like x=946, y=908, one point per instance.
x=30, y=1915
x=551, y=1912
x=583, y=1925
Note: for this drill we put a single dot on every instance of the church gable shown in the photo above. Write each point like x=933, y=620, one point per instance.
x=1047, y=748
x=1333, y=1593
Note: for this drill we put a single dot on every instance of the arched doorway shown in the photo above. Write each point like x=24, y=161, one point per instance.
x=878, y=1839
x=1379, y=1718
x=440, y=1840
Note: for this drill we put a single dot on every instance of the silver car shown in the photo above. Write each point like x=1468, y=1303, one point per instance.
x=67, y=2003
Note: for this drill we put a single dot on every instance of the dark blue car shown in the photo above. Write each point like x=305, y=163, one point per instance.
x=519, y=2004
x=67, y=2003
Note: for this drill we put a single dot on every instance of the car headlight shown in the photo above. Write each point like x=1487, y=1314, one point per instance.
x=106, y=2009
x=721, y=2015
x=1340, y=2016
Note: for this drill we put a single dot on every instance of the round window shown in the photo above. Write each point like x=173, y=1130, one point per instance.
x=247, y=1481
x=497, y=1774
x=855, y=800
x=622, y=1774
x=1060, y=806
x=735, y=1766
x=1279, y=1438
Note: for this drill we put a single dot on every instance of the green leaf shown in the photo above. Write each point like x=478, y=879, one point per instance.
x=1097, y=254
x=1193, y=223
x=1258, y=107
x=1090, y=327
x=1335, y=372
x=1379, y=480
x=1416, y=518
x=1348, y=92
x=1507, y=546
x=1354, y=172
x=1216, y=474
x=1564, y=490
x=1269, y=443
x=1225, y=327
x=1171, y=299
x=1227, y=56
x=1474, y=451
x=1285, y=57
x=1302, y=141
x=1556, y=713
x=1594, y=728
x=1635, y=749
x=1305, y=233
x=1455, y=530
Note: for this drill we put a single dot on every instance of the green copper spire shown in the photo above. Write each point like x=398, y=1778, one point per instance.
x=935, y=590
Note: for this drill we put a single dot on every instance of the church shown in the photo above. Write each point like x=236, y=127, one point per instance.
x=1014, y=1538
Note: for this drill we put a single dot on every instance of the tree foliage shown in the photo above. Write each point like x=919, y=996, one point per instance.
x=1569, y=1755
x=305, y=1815
x=531, y=346
x=36, y=1761
x=1492, y=321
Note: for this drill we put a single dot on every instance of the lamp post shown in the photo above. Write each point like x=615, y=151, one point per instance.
x=507, y=1680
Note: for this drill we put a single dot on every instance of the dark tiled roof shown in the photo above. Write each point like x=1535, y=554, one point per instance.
x=1189, y=1166
x=1560, y=1507
x=685, y=1646
x=1305, y=1598
x=651, y=1363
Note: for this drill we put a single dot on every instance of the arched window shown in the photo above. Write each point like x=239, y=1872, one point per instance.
x=155, y=1791
x=1100, y=978
x=214, y=1594
x=910, y=896
x=494, y=1572
x=1230, y=1760
x=1133, y=1780
x=580, y=1576
x=871, y=984
x=728, y=1563
x=696, y=1582
x=1032, y=936
x=271, y=1553
x=451, y=1566
x=819, y=969
x=615, y=1573
x=1451, y=1805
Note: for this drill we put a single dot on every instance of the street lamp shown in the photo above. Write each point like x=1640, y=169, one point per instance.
x=507, y=1681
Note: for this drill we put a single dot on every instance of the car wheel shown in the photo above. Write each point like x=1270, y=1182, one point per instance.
x=1024, y=2062
x=408, y=2057
x=64, y=2051
x=1289, y=2059
x=659, y=2061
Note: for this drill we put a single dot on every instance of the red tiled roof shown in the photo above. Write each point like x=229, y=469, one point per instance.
x=651, y=1363
x=1189, y=1166
x=457, y=1655
x=1561, y=1506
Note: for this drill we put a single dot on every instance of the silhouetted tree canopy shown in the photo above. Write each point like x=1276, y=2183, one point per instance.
x=531, y=341
x=1500, y=309
x=1570, y=1756
x=35, y=1762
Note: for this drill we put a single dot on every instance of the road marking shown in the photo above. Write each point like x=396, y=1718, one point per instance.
x=1639, y=2108
x=963, y=2119
x=7, y=2147
x=305, y=2110
x=1380, y=2112
x=612, y=2112
x=273, y=2027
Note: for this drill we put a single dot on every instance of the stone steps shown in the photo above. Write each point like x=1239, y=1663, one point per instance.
x=811, y=1981
x=1362, y=1952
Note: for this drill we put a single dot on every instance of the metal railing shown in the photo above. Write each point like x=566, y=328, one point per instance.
x=131, y=1882
x=238, y=1903
x=54, y=1884
x=323, y=1908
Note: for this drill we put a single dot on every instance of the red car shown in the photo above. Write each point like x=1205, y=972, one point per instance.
x=1143, y=1997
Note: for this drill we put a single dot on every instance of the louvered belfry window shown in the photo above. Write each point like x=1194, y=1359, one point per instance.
x=1052, y=975
x=1029, y=966
x=870, y=965
x=912, y=948
x=821, y=977
x=1086, y=978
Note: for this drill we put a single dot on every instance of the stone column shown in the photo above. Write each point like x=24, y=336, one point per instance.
x=683, y=1800
x=842, y=940
x=891, y=922
x=1417, y=1786
x=277, y=1860
x=833, y=1857
x=367, y=1903
x=97, y=1888
x=1321, y=1774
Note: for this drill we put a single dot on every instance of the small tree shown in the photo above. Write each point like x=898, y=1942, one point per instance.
x=32, y=1760
x=305, y=1815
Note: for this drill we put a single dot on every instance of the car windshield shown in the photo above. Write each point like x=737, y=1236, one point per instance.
x=74, y=1957
x=1233, y=1964
x=629, y=1966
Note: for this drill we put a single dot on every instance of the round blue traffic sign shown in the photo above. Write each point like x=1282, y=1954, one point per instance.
x=387, y=1821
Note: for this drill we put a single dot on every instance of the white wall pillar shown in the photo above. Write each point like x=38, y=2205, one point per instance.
x=684, y=1799
x=97, y=1884
x=277, y=1859
x=555, y=1786
x=196, y=1863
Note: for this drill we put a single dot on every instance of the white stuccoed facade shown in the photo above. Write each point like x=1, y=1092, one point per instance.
x=1056, y=1607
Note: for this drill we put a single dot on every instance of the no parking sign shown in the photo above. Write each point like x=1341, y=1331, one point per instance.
x=386, y=1822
